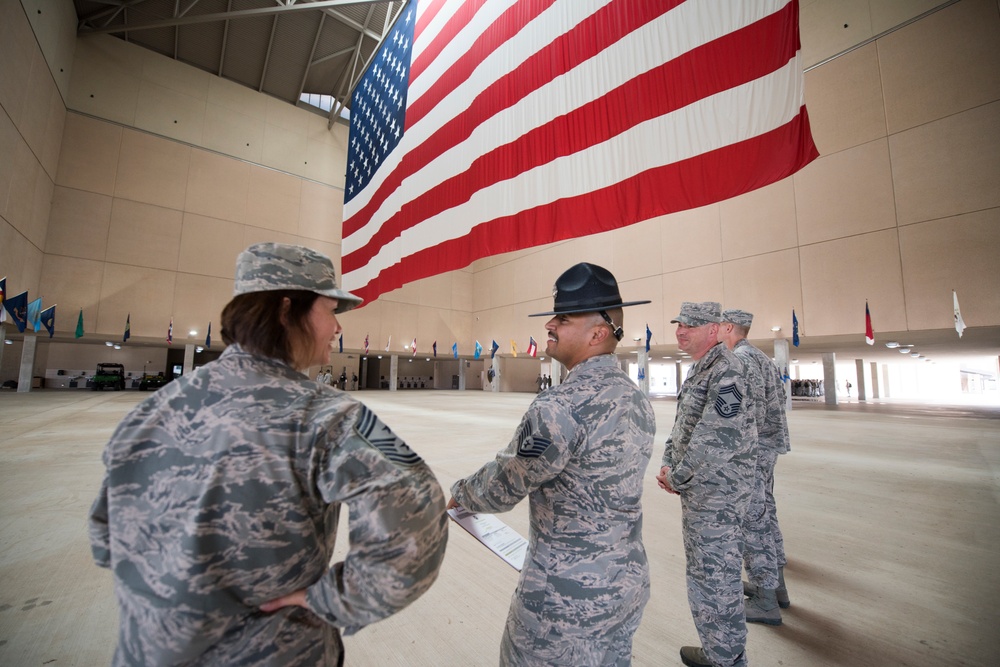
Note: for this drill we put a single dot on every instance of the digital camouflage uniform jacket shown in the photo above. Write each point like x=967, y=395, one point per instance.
x=711, y=450
x=772, y=424
x=222, y=491
x=579, y=453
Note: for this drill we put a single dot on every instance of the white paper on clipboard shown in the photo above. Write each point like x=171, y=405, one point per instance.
x=498, y=537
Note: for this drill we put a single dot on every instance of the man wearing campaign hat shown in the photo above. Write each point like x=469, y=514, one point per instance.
x=579, y=455
x=219, y=507
x=764, y=552
x=709, y=462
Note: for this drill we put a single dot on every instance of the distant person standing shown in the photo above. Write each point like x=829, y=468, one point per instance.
x=709, y=461
x=764, y=551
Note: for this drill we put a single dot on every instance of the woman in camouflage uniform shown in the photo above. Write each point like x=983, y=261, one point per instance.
x=219, y=507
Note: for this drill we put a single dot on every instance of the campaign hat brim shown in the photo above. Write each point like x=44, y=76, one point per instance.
x=588, y=309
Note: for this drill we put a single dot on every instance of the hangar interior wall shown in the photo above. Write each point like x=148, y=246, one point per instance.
x=129, y=182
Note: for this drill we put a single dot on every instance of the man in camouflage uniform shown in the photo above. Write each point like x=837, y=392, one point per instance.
x=764, y=553
x=219, y=506
x=709, y=461
x=579, y=455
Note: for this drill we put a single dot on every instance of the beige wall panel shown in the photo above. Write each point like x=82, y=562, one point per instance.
x=944, y=64
x=9, y=138
x=52, y=143
x=401, y=322
x=844, y=99
x=152, y=170
x=284, y=149
x=887, y=14
x=252, y=235
x=321, y=210
x=284, y=115
x=496, y=323
x=637, y=317
x=78, y=224
x=38, y=226
x=317, y=132
x=361, y=322
x=691, y=238
x=325, y=163
x=54, y=25
x=217, y=186
x=637, y=251
x=767, y=286
x=75, y=283
x=274, y=199
x=838, y=276
x=17, y=50
x=233, y=133
x=759, y=221
x=20, y=259
x=197, y=300
x=703, y=283
x=433, y=324
x=952, y=254
x=106, y=77
x=501, y=281
x=461, y=295
x=171, y=114
x=37, y=106
x=89, y=156
x=175, y=75
x=144, y=235
x=948, y=167
x=145, y=293
x=237, y=98
x=845, y=193
x=209, y=246
x=21, y=200
x=828, y=28
x=435, y=291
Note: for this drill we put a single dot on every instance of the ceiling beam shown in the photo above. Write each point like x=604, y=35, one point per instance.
x=305, y=73
x=223, y=16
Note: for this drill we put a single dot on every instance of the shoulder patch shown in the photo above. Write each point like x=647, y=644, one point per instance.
x=728, y=402
x=371, y=429
x=530, y=445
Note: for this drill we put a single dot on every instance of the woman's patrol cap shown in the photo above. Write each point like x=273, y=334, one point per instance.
x=268, y=267
x=586, y=288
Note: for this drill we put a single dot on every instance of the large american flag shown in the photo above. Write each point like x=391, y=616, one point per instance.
x=483, y=127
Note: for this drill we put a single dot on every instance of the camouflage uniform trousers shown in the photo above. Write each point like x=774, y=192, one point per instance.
x=713, y=545
x=765, y=548
x=613, y=650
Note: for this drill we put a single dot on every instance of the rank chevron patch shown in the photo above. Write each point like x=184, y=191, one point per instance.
x=377, y=434
x=728, y=402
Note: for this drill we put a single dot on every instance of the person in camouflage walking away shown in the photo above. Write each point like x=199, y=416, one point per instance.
x=764, y=552
x=579, y=455
x=219, y=506
x=709, y=461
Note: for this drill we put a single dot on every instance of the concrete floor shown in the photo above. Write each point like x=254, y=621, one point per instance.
x=891, y=516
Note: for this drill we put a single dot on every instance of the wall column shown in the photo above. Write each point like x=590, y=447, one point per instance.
x=830, y=378
x=644, y=371
x=27, y=363
x=556, y=375
x=188, y=358
x=885, y=380
x=393, y=372
x=859, y=364
x=678, y=372
x=495, y=365
x=874, y=369
x=462, y=364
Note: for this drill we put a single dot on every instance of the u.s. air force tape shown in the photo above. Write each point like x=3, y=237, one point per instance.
x=375, y=433
x=530, y=445
x=727, y=404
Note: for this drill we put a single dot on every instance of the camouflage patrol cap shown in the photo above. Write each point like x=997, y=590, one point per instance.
x=268, y=267
x=695, y=314
x=738, y=317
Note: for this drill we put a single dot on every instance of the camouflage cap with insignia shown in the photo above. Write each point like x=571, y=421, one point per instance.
x=738, y=317
x=695, y=314
x=268, y=267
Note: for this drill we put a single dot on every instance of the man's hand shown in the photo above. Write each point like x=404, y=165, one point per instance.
x=293, y=599
x=663, y=479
